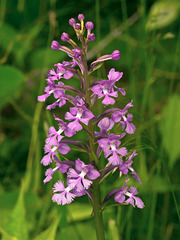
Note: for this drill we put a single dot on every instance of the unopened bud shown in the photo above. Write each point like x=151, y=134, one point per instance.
x=115, y=55
x=72, y=21
x=77, y=26
x=76, y=53
x=81, y=17
x=64, y=37
x=89, y=25
x=91, y=37
x=55, y=45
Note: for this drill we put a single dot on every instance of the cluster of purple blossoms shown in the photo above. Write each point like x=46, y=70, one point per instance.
x=80, y=175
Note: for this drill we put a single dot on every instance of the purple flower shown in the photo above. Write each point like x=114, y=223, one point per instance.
x=60, y=102
x=110, y=146
x=105, y=125
x=118, y=115
x=133, y=200
x=62, y=167
x=76, y=178
x=63, y=125
x=52, y=88
x=126, y=166
x=49, y=172
x=46, y=160
x=56, y=135
x=58, y=92
x=43, y=97
x=77, y=114
x=130, y=128
x=106, y=87
x=61, y=72
x=63, y=148
x=52, y=144
x=64, y=196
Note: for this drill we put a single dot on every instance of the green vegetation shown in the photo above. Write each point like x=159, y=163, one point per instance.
x=147, y=33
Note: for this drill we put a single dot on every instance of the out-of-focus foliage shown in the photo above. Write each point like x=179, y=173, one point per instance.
x=10, y=84
x=170, y=129
x=162, y=14
x=147, y=33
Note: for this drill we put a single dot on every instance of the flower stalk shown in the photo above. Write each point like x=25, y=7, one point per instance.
x=85, y=176
x=96, y=199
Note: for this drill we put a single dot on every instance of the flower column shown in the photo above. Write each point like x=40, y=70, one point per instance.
x=100, y=233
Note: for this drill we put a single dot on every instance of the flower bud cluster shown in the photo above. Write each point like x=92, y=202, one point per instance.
x=81, y=174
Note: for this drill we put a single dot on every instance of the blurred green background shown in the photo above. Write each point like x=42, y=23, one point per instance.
x=147, y=33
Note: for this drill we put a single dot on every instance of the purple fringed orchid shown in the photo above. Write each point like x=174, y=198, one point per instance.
x=106, y=88
x=61, y=72
x=121, y=193
x=126, y=166
x=58, y=92
x=63, y=127
x=85, y=176
x=78, y=114
x=133, y=200
x=120, y=114
x=62, y=195
x=110, y=145
x=105, y=125
x=62, y=167
x=76, y=178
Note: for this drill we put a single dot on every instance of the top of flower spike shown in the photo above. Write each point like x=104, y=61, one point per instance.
x=81, y=17
x=72, y=21
x=89, y=25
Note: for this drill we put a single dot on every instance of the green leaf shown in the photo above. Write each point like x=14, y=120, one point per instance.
x=26, y=44
x=8, y=34
x=162, y=14
x=16, y=225
x=158, y=184
x=78, y=231
x=50, y=233
x=45, y=58
x=170, y=129
x=11, y=81
x=79, y=212
x=113, y=230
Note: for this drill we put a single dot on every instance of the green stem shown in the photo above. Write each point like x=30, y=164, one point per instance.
x=100, y=234
x=98, y=220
